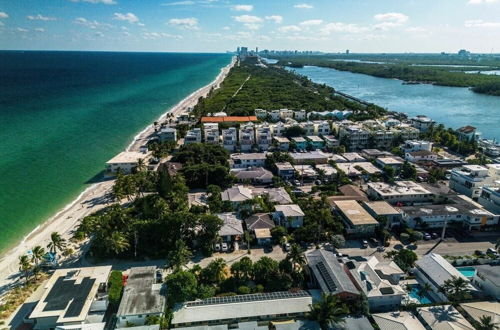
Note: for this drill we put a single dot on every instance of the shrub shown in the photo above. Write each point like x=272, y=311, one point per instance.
x=259, y=288
x=115, y=288
x=243, y=290
x=404, y=237
x=416, y=236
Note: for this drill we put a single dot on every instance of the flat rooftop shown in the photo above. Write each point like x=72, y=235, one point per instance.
x=127, y=157
x=253, y=155
x=69, y=293
x=399, y=188
x=355, y=213
x=141, y=294
x=390, y=160
x=381, y=208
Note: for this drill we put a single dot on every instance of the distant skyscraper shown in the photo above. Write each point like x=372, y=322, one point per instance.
x=347, y=51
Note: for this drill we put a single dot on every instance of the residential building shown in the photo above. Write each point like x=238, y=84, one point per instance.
x=470, y=179
x=315, y=157
x=261, y=224
x=261, y=114
x=263, y=137
x=349, y=192
x=73, y=297
x=331, y=141
x=357, y=220
x=309, y=127
x=300, y=143
x=228, y=119
x=286, y=113
x=379, y=281
x=432, y=268
x=300, y=115
x=490, y=199
x=327, y=170
x=246, y=137
x=285, y=170
x=468, y=134
x=167, y=133
x=290, y=216
x=198, y=199
x=250, y=307
x=305, y=172
x=278, y=129
x=257, y=175
x=379, y=209
x=367, y=167
x=337, y=158
x=257, y=159
x=237, y=195
x=353, y=157
x=355, y=136
x=322, y=128
x=335, y=114
x=476, y=310
x=394, y=162
x=407, y=192
x=392, y=122
x=397, y=320
x=448, y=163
x=232, y=227
x=422, y=123
x=142, y=297
x=126, y=161
x=374, y=153
x=193, y=136
x=211, y=133
x=230, y=138
x=417, y=145
x=349, y=169
x=275, y=195
x=274, y=115
x=315, y=142
x=443, y=317
x=330, y=275
x=487, y=278
x=421, y=156
x=282, y=143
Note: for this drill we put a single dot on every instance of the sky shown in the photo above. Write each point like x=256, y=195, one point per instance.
x=362, y=26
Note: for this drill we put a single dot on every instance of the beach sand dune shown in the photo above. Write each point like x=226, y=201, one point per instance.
x=91, y=200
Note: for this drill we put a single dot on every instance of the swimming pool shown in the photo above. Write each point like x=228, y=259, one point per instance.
x=425, y=299
x=467, y=271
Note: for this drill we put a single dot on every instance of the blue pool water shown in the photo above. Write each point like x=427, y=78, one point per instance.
x=467, y=271
x=426, y=299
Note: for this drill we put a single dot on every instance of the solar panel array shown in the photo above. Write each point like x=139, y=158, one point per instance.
x=248, y=298
x=326, y=276
x=65, y=292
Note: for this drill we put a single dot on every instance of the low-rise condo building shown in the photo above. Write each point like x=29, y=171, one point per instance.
x=257, y=159
x=315, y=142
x=417, y=145
x=230, y=139
x=407, y=192
x=246, y=137
x=382, y=209
x=394, y=162
x=285, y=170
x=282, y=143
x=211, y=133
x=490, y=199
x=192, y=136
x=263, y=137
x=300, y=143
x=357, y=220
x=126, y=161
x=331, y=141
x=316, y=157
x=421, y=156
x=470, y=179
x=167, y=133
x=422, y=123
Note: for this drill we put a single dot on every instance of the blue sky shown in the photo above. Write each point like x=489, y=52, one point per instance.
x=219, y=25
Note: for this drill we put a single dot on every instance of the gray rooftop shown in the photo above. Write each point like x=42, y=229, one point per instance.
x=141, y=295
x=491, y=272
x=259, y=221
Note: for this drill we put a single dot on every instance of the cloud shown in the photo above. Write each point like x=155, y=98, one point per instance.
x=91, y=24
x=276, y=18
x=179, y=3
x=226, y=28
x=478, y=2
x=41, y=30
x=290, y=28
x=247, y=19
x=189, y=23
x=311, y=22
x=105, y=2
x=303, y=6
x=21, y=30
x=479, y=23
x=99, y=34
x=392, y=17
x=159, y=35
x=243, y=7
x=129, y=17
x=40, y=18
x=342, y=27
x=3, y=14
x=416, y=29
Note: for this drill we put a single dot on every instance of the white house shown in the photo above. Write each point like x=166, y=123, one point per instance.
x=309, y=127
x=247, y=137
x=290, y=216
x=323, y=128
x=248, y=160
x=230, y=138
x=167, y=133
x=261, y=113
x=232, y=227
x=263, y=136
x=300, y=115
x=487, y=278
x=286, y=113
x=274, y=115
x=211, y=133
x=422, y=123
x=470, y=179
x=193, y=136
x=126, y=161
x=282, y=142
x=417, y=145
x=399, y=192
x=420, y=156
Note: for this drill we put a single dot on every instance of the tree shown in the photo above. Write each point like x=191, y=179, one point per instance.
x=264, y=269
x=116, y=243
x=25, y=266
x=141, y=165
x=214, y=273
x=424, y=290
x=294, y=131
x=456, y=289
x=56, y=242
x=408, y=171
x=179, y=256
x=38, y=253
x=207, y=236
x=338, y=241
x=296, y=256
x=486, y=323
x=182, y=286
x=329, y=311
x=242, y=270
x=403, y=258
x=389, y=173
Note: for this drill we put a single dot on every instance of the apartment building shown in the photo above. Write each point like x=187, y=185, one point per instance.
x=407, y=192
x=490, y=199
x=470, y=179
x=263, y=137
x=246, y=137
x=193, y=136
x=422, y=123
x=230, y=139
x=211, y=133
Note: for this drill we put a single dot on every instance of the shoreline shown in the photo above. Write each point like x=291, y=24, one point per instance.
x=90, y=200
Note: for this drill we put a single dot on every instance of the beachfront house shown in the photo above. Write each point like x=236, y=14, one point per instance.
x=126, y=161
x=167, y=133
x=247, y=137
x=192, y=136
x=230, y=138
x=211, y=133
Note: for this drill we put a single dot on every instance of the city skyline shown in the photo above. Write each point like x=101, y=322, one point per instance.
x=220, y=25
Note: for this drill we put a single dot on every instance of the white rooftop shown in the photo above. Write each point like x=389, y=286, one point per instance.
x=290, y=210
x=444, y=318
x=437, y=268
x=127, y=157
x=397, y=321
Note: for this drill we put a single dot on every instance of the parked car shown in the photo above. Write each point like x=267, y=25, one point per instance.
x=427, y=236
x=374, y=241
x=479, y=253
x=224, y=247
x=217, y=247
x=296, y=182
x=159, y=276
x=287, y=247
x=380, y=249
x=434, y=235
x=364, y=243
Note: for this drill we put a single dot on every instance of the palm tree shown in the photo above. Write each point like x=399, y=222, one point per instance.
x=38, y=254
x=25, y=266
x=56, y=243
x=329, y=311
x=141, y=165
x=296, y=256
x=117, y=243
x=424, y=289
x=486, y=323
x=456, y=289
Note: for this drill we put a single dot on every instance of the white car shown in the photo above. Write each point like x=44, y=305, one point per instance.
x=224, y=247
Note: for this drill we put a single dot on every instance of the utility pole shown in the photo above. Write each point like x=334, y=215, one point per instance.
x=444, y=229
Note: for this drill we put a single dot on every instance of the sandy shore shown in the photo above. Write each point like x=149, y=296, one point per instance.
x=89, y=201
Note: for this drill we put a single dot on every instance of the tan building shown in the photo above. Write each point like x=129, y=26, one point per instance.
x=357, y=220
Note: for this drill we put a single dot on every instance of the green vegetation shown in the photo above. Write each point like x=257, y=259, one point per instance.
x=456, y=289
x=404, y=258
x=248, y=87
x=329, y=311
x=115, y=285
x=405, y=70
x=449, y=138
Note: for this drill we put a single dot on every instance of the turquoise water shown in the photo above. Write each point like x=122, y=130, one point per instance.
x=452, y=106
x=64, y=114
x=467, y=271
x=426, y=299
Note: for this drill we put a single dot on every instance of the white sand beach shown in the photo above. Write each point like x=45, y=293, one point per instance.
x=91, y=200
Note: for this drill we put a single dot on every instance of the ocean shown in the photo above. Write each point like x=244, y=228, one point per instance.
x=64, y=114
